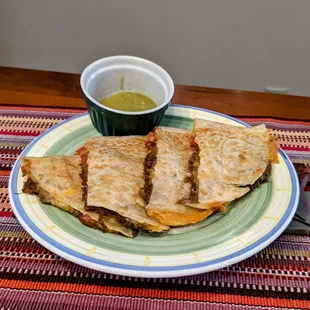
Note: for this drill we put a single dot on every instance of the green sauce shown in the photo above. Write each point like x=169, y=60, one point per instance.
x=129, y=102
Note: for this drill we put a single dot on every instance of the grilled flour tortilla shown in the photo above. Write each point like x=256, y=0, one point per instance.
x=114, y=176
x=170, y=178
x=233, y=160
x=168, y=168
x=57, y=181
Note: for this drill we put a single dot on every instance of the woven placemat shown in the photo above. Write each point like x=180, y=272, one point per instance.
x=32, y=277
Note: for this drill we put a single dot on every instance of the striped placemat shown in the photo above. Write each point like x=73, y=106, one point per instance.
x=31, y=277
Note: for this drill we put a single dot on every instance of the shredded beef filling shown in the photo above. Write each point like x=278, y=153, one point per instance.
x=84, y=157
x=122, y=220
x=264, y=178
x=88, y=221
x=193, y=165
x=30, y=187
x=192, y=174
x=148, y=171
x=127, y=222
x=84, y=184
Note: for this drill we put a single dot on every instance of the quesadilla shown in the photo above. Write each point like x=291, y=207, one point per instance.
x=233, y=161
x=114, y=173
x=57, y=180
x=168, y=169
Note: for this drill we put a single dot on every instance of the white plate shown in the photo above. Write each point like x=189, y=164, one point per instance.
x=249, y=225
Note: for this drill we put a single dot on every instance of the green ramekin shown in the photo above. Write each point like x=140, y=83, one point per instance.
x=125, y=73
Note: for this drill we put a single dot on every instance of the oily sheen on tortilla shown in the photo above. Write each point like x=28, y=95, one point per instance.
x=233, y=160
x=57, y=180
x=114, y=177
x=170, y=152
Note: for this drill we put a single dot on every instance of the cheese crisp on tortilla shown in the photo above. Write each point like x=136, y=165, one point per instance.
x=57, y=180
x=233, y=160
x=168, y=171
x=114, y=176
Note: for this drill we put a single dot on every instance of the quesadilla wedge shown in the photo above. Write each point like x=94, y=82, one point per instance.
x=57, y=180
x=168, y=178
x=233, y=161
x=114, y=173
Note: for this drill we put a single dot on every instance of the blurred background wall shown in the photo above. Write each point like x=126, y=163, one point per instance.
x=242, y=44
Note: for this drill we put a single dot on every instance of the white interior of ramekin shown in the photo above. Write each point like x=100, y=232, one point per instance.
x=103, y=78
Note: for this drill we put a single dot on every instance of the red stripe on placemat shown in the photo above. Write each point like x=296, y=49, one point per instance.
x=273, y=120
x=18, y=133
x=151, y=293
x=5, y=172
x=45, y=109
x=290, y=148
x=6, y=214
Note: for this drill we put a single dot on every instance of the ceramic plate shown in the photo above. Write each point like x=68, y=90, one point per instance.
x=248, y=225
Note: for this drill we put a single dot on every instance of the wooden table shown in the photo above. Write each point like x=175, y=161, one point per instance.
x=45, y=88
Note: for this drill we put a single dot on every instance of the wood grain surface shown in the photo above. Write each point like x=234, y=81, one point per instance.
x=45, y=88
